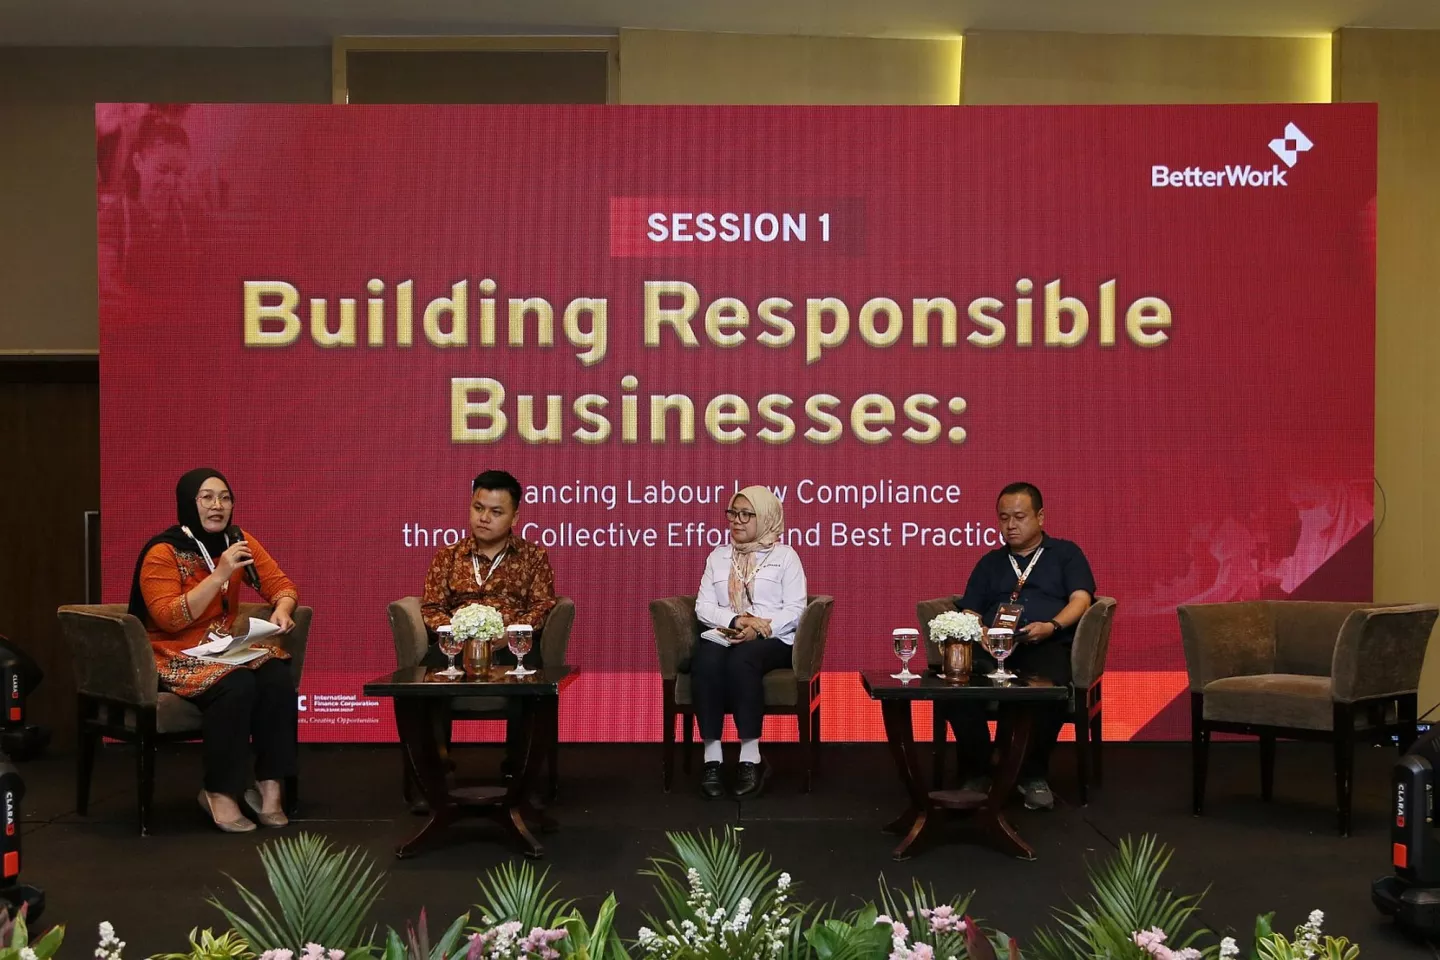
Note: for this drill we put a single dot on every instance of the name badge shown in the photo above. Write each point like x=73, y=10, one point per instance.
x=1007, y=616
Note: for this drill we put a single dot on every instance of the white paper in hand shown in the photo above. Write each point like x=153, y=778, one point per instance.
x=224, y=647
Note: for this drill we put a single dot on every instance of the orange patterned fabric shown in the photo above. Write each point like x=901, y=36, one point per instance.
x=522, y=587
x=166, y=575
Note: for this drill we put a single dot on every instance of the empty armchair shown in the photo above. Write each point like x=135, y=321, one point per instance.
x=1302, y=670
x=788, y=692
x=119, y=696
x=1087, y=667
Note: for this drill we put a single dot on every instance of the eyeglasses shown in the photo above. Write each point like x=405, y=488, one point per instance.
x=744, y=516
x=209, y=499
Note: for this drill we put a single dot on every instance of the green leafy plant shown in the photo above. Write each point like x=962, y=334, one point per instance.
x=510, y=892
x=1126, y=897
x=322, y=895
x=720, y=904
x=416, y=943
x=593, y=942
x=15, y=936
x=1308, y=943
x=858, y=936
x=204, y=945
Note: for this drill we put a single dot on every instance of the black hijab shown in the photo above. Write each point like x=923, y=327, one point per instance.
x=187, y=514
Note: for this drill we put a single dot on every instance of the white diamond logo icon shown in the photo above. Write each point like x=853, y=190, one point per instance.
x=1290, y=146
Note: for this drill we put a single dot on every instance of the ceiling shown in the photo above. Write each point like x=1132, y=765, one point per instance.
x=316, y=22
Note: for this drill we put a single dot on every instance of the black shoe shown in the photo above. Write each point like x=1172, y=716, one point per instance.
x=710, y=783
x=750, y=780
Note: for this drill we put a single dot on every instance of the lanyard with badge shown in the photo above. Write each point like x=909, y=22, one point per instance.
x=210, y=562
x=1008, y=614
x=475, y=565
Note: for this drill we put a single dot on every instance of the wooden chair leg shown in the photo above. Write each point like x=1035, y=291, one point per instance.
x=815, y=736
x=1267, y=766
x=89, y=741
x=691, y=722
x=1344, y=732
x=1199, y=750
x=937, y=746
x=552, y=753
x=1082, y=755
x=1097, y=740
x=802, y=727
x=667, y=746
x=145, y=766
x=1407, y=714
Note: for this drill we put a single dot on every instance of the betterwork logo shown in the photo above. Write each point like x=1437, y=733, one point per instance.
x=1288, y=148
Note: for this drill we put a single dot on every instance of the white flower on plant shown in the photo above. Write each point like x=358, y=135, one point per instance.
x=956, y=625
x=1229, y=948
x=27, y=953
x=108, y=949
x=476, y=621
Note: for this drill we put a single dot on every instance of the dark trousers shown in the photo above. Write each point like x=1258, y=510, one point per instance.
x=732, y=680
x=248, y=709
x=1049, y=659
x=514, y=730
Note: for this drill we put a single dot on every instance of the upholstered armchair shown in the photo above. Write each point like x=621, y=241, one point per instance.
x=1302, y=670
x=407, y=627
x=119, y=696
x=792, y=692
x=1087, y=670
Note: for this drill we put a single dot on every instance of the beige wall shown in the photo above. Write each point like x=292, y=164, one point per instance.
x=662, y=66
x=47, y=184
x=1400, y=70
x=1080, y=68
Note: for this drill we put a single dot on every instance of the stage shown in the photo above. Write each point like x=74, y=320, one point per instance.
x=1281, y=856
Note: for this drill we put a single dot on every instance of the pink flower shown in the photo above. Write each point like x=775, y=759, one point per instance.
x=943, y=919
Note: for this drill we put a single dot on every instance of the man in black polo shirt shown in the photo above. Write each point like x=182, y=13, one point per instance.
x=1057, y=589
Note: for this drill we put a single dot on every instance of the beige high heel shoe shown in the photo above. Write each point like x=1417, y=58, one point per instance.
x=253, y=801
x=241, y=824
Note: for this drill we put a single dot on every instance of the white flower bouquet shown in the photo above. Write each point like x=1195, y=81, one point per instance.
x=956, y=625
x=475, y=621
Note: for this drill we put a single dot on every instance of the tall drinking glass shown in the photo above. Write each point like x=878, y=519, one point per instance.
x=520, y=636
x=907, y=640
x=450, y=645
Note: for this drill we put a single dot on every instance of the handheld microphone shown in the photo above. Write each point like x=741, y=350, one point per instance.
x=252, y=576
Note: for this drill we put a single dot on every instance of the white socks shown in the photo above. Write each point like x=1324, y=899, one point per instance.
x=749, y=751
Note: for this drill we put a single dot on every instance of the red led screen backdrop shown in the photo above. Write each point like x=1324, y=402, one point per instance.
x=1162, y=316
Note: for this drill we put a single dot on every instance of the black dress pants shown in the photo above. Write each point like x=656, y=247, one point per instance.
x=967, y=718
x=244, y=710
x=732, y=680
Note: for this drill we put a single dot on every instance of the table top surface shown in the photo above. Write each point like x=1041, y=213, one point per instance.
x=881, y=686
x=424, y=682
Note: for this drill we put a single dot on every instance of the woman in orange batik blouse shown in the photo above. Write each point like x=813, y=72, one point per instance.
x=187, y=584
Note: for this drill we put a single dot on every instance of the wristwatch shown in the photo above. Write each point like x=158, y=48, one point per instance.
x=1056, y=624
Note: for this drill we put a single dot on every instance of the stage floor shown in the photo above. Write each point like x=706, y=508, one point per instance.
x=1254, y=856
